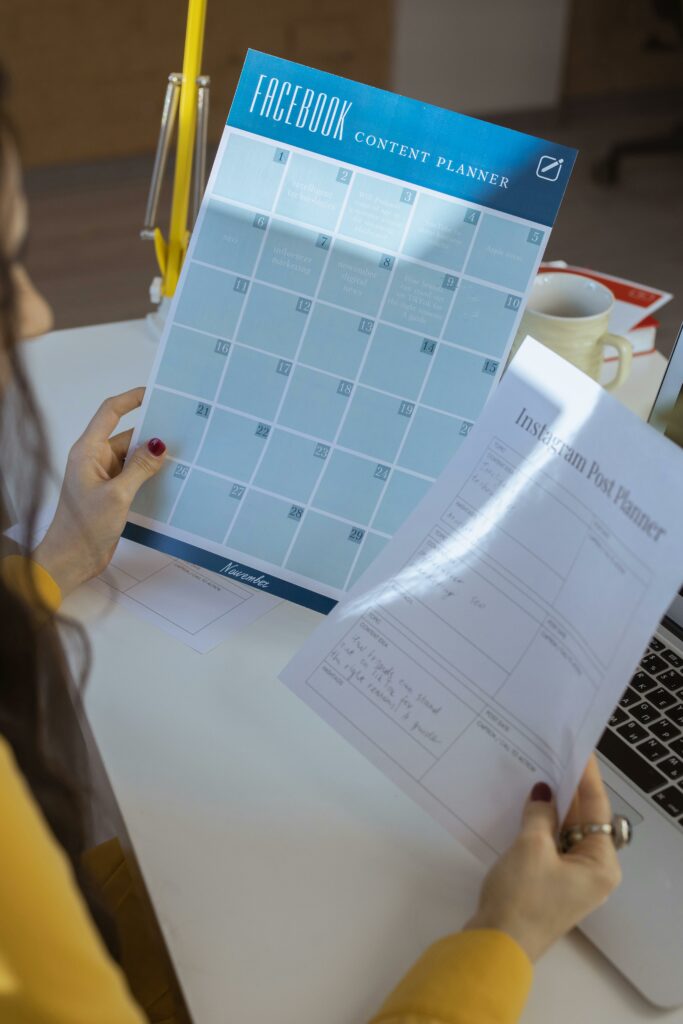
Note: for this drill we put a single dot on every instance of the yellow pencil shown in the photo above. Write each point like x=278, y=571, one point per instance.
x=174, y=252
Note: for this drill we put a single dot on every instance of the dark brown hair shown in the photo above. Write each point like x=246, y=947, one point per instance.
x=37, y=678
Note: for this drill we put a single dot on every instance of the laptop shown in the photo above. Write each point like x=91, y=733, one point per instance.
x=640, y=928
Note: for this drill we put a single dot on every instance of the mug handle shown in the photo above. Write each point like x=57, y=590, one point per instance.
x=625, y=350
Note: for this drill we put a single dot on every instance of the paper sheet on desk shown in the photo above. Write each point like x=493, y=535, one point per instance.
x=194, y=605
x=487, y=645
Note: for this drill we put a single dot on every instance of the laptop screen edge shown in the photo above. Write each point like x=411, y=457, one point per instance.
x=670, y=391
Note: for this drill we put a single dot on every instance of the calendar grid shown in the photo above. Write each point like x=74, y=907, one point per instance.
x=407, y=305
x=324, y=373
x=222, y=375
x=280, y=495
x=347, y=309
x=366, y=245
x=418, y=401
x=301, y=337
x=363, y=456
x=359, y=371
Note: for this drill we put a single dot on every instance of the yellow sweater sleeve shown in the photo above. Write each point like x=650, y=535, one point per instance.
x=54, y=968
x=474, y=977
x=21, y=573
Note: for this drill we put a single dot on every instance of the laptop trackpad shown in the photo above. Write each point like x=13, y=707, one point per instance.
x=619, y=806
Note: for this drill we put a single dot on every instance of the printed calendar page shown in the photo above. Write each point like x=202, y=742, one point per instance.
x=351, y=290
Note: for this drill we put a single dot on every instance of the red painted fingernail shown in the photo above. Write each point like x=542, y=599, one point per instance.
x=156, y=446
x=542, y=791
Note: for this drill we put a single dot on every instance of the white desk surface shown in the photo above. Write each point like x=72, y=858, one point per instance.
x=293, y=882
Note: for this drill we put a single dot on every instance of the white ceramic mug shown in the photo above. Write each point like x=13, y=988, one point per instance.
x=569, y=314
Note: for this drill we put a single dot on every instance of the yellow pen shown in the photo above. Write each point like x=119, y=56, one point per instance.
x=186, y=95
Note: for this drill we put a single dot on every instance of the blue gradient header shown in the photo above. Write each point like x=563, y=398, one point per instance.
x=403, y=138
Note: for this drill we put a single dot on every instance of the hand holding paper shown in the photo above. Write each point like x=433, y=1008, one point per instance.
x=534, y=892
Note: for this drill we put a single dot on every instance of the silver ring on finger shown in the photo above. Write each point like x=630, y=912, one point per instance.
x=620, y=829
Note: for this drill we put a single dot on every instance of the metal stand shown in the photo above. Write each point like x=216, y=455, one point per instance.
x=151, y=231
x=186, y=103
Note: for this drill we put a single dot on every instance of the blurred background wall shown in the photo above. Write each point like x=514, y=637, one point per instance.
x=439, y=45
x=89, y=79
x=89, y=76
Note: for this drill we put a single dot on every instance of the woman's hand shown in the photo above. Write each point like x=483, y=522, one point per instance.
x=96, y=495
x=536, y=894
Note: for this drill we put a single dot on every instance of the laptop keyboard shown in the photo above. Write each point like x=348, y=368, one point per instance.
x=644, y=736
